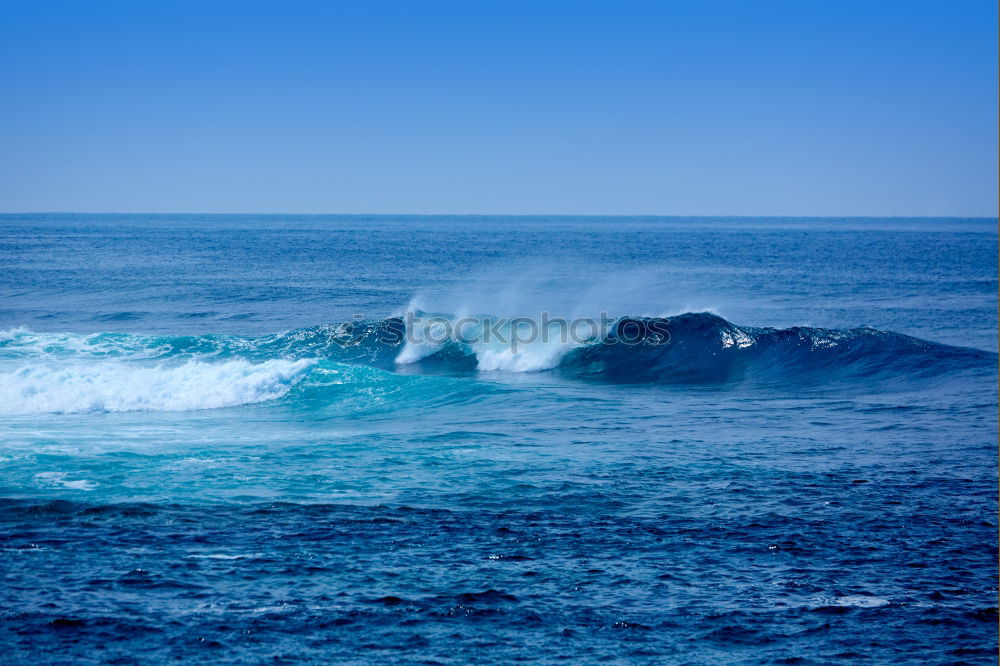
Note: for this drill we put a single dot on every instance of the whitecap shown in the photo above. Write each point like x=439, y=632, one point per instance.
x=114, y=386
x=59, y=480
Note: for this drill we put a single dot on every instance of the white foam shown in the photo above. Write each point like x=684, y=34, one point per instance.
x=115, y=386
x=528, y=358
x=735, y=338
x=414, y=352
x=499, y=347
x=59, y=480
x=22, y=342
x=13, y=333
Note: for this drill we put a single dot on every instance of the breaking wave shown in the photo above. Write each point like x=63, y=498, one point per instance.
x=44, y=372
x=122, y=387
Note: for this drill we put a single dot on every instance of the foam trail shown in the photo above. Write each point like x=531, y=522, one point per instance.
x=123, y=387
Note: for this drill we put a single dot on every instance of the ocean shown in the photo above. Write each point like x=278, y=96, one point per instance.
x=221, y=441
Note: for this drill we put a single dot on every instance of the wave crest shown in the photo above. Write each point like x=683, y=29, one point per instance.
x=79, y=373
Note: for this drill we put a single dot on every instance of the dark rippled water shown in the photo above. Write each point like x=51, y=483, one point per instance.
x=198, y=463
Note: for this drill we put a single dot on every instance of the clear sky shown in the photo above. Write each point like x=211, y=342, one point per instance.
x=756, y=107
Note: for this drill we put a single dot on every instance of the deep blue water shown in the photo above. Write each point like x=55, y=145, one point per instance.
x=199, y=461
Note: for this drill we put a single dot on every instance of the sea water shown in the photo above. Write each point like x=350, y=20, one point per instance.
x=211, y=451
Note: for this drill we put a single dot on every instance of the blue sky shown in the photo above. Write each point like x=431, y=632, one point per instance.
x=760, y=107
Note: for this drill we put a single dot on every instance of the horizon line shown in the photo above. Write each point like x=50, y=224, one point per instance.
x=398, y=214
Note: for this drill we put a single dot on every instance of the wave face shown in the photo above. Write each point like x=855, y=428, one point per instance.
x=692, y=347
x=706, y=348
x=64, y=373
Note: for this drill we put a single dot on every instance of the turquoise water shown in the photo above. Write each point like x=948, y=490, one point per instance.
x=209, y=450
